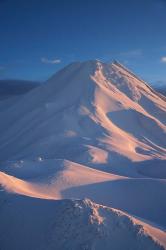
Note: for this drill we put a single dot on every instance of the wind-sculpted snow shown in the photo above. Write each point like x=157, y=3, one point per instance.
x=81, y=107
x=58, y=179
x=92, y=130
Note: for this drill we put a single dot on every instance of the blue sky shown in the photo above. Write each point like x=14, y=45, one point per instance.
x=39, y=37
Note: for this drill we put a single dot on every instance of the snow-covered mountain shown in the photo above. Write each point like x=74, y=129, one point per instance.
x=92, y=130
x=89, y=112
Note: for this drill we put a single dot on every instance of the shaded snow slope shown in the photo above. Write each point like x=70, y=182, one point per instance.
x=71, y=224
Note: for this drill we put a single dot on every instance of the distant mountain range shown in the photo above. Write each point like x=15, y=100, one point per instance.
x=11, y=87
x=159, y=86
x=161, y=89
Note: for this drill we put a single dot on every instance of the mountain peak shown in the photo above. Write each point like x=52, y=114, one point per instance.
x=85, y=100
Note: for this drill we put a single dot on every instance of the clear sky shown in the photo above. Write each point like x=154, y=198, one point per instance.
x=41, y=36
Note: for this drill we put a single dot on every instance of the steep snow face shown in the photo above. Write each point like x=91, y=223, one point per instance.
x=71, y=224
x=136, y=89
x=84, y=114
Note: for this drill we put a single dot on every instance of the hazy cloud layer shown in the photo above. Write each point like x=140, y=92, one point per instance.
x=132, y=53
x=163, y=59
x=50, y=61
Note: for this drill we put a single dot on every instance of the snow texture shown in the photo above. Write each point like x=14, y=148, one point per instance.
x=92, y=130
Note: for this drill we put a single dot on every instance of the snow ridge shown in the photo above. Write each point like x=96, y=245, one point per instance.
x=70, y=224
x=100, y=226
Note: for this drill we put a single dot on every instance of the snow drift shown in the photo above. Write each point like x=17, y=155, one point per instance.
x=62, y=179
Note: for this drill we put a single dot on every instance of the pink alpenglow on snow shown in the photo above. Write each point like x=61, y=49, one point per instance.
x=94, y=133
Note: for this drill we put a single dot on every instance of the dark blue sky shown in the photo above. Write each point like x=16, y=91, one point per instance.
x=39, y=37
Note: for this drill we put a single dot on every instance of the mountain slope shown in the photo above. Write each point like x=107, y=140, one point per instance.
x=61, y=179
x=77, y=115
x=71, y=224
x=92, y=130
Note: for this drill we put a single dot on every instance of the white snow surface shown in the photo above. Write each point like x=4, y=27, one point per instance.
x=92, y=130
